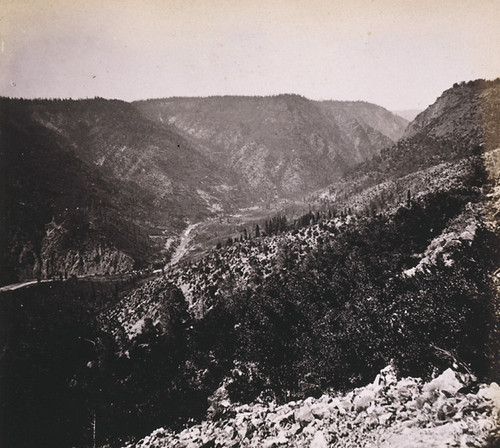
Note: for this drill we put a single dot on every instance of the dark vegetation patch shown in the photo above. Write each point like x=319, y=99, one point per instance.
x=48, y=335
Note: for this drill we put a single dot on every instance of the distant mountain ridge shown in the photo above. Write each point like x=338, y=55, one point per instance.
x=83, y=179
x=464, y=121
x=101, y=186
x=281, y=145
x=370, y=115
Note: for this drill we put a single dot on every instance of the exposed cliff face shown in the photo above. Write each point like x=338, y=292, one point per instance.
x=91, y=256
x=93, y=259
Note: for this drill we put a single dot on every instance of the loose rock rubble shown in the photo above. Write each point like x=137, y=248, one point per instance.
x=386, y=413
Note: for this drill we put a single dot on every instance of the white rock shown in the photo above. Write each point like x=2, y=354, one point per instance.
x=310, y=429
x=364, y=399
x=406, y=387
x=446, y=382
x=273, y=441
x=486, y=424
x=242, y=430
x=372, y=408
x=319, y=441
x=387, y=376
x=344, y=406
x=384, y=418
x=320, y=411
x=303, y=415
x=492, y=393
x=282, y=438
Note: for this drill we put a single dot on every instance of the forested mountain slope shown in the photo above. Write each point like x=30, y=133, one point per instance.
x=370, y=116
x=464, y=121
x=91, y=180
x=468, y=111
x=99, y=186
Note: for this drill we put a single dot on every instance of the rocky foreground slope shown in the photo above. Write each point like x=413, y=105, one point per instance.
x=446, y=411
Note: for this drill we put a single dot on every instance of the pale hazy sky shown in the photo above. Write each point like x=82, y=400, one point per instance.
x=396, y=53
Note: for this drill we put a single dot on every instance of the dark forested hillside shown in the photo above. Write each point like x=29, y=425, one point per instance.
x=87, y=183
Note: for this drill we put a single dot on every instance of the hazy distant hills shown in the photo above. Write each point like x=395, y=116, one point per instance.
x=408, y=114
x=282, y=145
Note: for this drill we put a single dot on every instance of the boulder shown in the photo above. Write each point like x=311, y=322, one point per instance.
x=447, y=382
x=364, y=399
x=491, y=393
x=319, y=441
x=303, y=415
x=321, y=410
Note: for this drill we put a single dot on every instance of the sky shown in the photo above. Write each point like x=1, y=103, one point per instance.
x=400, y=54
